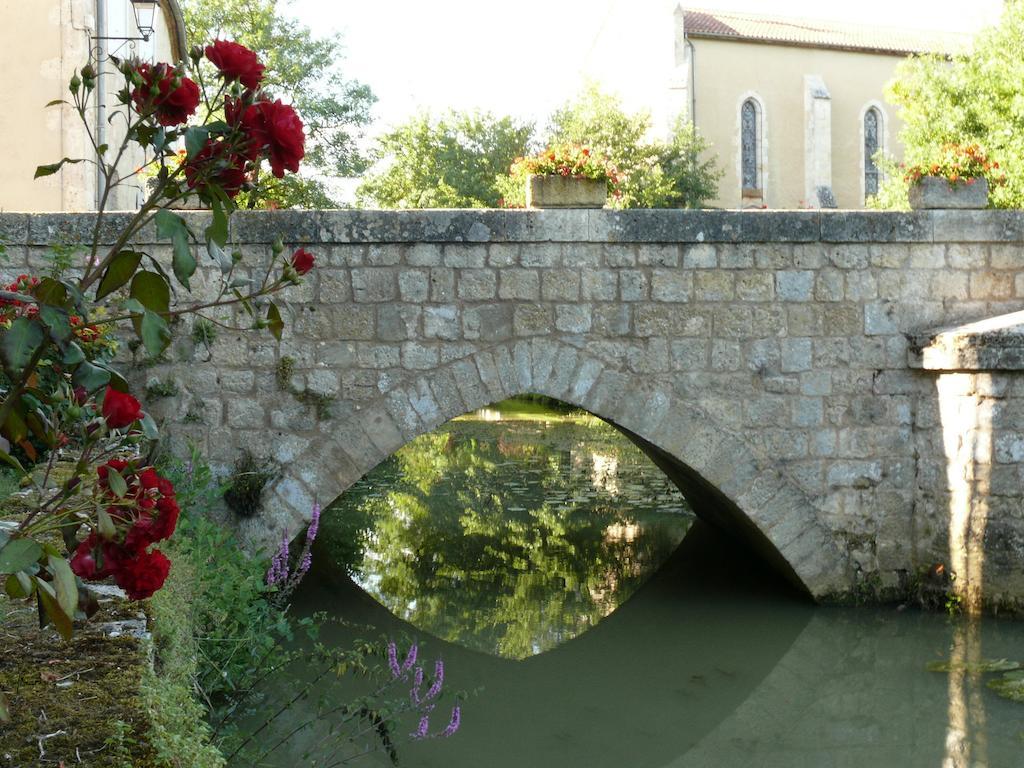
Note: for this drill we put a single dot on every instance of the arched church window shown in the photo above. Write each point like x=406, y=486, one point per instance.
x=750, y=146
x=872, y=143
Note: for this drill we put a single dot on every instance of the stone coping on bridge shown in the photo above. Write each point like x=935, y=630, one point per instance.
x=993, y=344
x=575, y=225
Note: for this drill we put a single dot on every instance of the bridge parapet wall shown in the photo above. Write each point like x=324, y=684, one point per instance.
x=792, y=337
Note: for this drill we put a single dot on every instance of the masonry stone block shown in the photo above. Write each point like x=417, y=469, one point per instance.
x=560, y=285
x=503, y=254
x=397, y=322
x=755, y=286
x=545, y=255
x=442, y=322
x=442, y=284
x=582, y=255
x=477, y=284
x=618, y=256
x=523, y=284
x=532, y=319
x=245, y=413
x=599, y=285
x=423, y=255
x=726, y=355
x=700, y=257
x=671, y=285
x=464, y=256
x=413, y=285
x=1006, y=256
x=967, y=256
x=632, y=285
x=487, y=322
x=611, y=320
x=991, y=285
x=373, y=284
x=545, y=354
x=794, y=285
x=671, y=321
x=658, y=255
x=573, y=318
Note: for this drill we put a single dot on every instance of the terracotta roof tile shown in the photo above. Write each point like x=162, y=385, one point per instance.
x=821, y=34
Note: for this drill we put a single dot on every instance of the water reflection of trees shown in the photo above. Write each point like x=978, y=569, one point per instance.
x=508, y=537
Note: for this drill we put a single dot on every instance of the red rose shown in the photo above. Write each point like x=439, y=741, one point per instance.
x=84, y=561
x=120, y=409
x=236, y=62
x=302, y=261
x=95, y=559
x=165, y=92
x=149, y=529
x=276, y=128
x=142, y=575
x=215, y=165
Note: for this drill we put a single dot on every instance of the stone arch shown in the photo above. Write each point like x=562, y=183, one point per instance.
x=724, y=479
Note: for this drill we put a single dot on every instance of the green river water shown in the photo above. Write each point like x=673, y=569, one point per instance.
x=564, y=581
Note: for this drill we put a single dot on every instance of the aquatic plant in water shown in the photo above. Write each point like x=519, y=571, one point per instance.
x=1010, y=685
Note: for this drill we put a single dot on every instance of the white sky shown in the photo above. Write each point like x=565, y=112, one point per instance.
x=525, y=57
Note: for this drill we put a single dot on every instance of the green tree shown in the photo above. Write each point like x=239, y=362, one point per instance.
x=657, y=174
x=335, y=110
x=450, y=162
x=976, y=97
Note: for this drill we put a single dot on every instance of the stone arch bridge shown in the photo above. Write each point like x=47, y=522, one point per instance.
x=783, y=367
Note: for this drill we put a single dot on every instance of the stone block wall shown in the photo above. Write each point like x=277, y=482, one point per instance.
x=775, y=354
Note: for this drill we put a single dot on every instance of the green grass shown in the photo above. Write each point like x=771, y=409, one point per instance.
x=534, y=408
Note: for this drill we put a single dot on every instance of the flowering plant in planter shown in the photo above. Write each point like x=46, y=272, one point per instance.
x=957, y=163
x=564, y=161
x=569, y=160
x=64, y=404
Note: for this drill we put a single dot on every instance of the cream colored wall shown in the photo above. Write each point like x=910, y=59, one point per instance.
x=46, y=42
x=42, y=36
x=728, y=71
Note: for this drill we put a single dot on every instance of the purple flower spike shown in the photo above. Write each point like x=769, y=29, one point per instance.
x=454, y=724
x=421, y=732
x=435, y=688
x=410, y=658
x=306, y=561
x=393, y=660
x=278, y=572
x=414, y=692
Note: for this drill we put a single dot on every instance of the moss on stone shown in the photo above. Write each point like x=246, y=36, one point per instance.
x=78, y=701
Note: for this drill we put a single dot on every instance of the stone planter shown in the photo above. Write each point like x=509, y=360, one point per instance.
x=565, y=192
x=936, y=192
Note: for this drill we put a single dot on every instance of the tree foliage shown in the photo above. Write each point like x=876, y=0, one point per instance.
x=463, y=160
x=452, y=161
x=335, y=109
x=976, y=97
x=656, y=174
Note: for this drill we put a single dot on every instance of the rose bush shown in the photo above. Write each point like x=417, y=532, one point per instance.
x=63, y=400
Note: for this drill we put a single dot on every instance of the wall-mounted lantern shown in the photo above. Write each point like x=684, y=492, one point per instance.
x=145, y=16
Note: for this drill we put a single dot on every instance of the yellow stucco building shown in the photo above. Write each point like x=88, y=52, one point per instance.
x=795, y=108
x=45, y=43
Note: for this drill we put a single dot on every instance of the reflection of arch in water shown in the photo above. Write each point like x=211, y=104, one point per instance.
x=724, y=479
x=642, y=687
